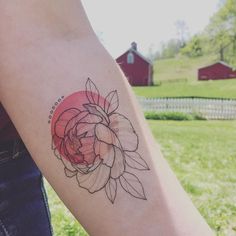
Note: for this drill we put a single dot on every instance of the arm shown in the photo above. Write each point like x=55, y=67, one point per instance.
x=87, y=136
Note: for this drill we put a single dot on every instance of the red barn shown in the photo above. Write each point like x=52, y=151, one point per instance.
x=219, y=70
x=136, y=67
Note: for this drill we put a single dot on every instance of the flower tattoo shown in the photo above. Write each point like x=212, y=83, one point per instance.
x=97, y=145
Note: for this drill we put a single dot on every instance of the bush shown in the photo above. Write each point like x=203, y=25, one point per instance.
x=152, y=115
x=197, y=116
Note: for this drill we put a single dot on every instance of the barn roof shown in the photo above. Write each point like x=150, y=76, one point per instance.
x=225, y=64
x=140, y=55
x=137, y=53
x=221, y=62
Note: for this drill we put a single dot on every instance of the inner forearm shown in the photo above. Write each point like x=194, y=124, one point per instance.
x=58, y=105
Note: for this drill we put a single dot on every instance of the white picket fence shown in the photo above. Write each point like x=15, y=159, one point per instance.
x=212, y=109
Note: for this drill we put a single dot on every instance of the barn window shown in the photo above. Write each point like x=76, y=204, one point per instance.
x=130, y=58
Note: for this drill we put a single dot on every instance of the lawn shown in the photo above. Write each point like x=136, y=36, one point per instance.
x=203, y=156
x=215, y=89
x=63, y=222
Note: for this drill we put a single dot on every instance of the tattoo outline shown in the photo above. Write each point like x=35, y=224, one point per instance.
x=96, y=144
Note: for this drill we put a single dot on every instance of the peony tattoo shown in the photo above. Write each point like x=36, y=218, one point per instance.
x=97, y=145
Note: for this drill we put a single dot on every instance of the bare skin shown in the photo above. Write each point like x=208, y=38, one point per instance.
x=48, y=50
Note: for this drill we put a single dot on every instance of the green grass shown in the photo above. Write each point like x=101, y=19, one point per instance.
x=203, y=156
x=221, y=89
x=63, y=222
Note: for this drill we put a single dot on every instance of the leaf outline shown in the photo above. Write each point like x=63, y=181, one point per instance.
x=132, y=185
x=111, y=190
x=111, y=102
x=135, y=161
x=92, y=91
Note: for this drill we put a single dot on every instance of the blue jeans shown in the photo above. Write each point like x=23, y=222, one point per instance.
x=23, y=203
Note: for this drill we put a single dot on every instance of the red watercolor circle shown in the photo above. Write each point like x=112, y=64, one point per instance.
x=75, y=100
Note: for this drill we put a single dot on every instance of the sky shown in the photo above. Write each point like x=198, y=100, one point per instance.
x=147, y=22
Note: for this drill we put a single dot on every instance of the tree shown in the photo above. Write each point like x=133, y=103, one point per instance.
x=153, y=54
x=193, y=48
x=182, y=31
x=228, y=14
x=222, y=30
x=219, y=36
x=171, y=48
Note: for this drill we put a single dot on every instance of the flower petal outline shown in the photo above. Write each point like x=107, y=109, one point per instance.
x=95, y=180
x=124, y=131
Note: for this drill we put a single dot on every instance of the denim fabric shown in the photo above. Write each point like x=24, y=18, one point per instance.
x=23, y=203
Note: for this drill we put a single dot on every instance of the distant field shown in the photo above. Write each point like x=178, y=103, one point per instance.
x=180, y=68
x=178, y=77
x=221, y=88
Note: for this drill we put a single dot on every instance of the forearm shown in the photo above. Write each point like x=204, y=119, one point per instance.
x=30, y=22
x=36, y=75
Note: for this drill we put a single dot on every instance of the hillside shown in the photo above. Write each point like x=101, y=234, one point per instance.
x=180, y=68
x=177, y=77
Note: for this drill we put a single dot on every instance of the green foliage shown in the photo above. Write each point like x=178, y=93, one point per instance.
x=197, y=116
x=152, y=115
x=219, y=34
x=228, y=14
x=218, y=37
x=170, y=49
x=193, y=48
x=203, y=156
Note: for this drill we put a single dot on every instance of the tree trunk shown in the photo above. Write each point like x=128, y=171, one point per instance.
x=234, y=43
x=222, y=53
